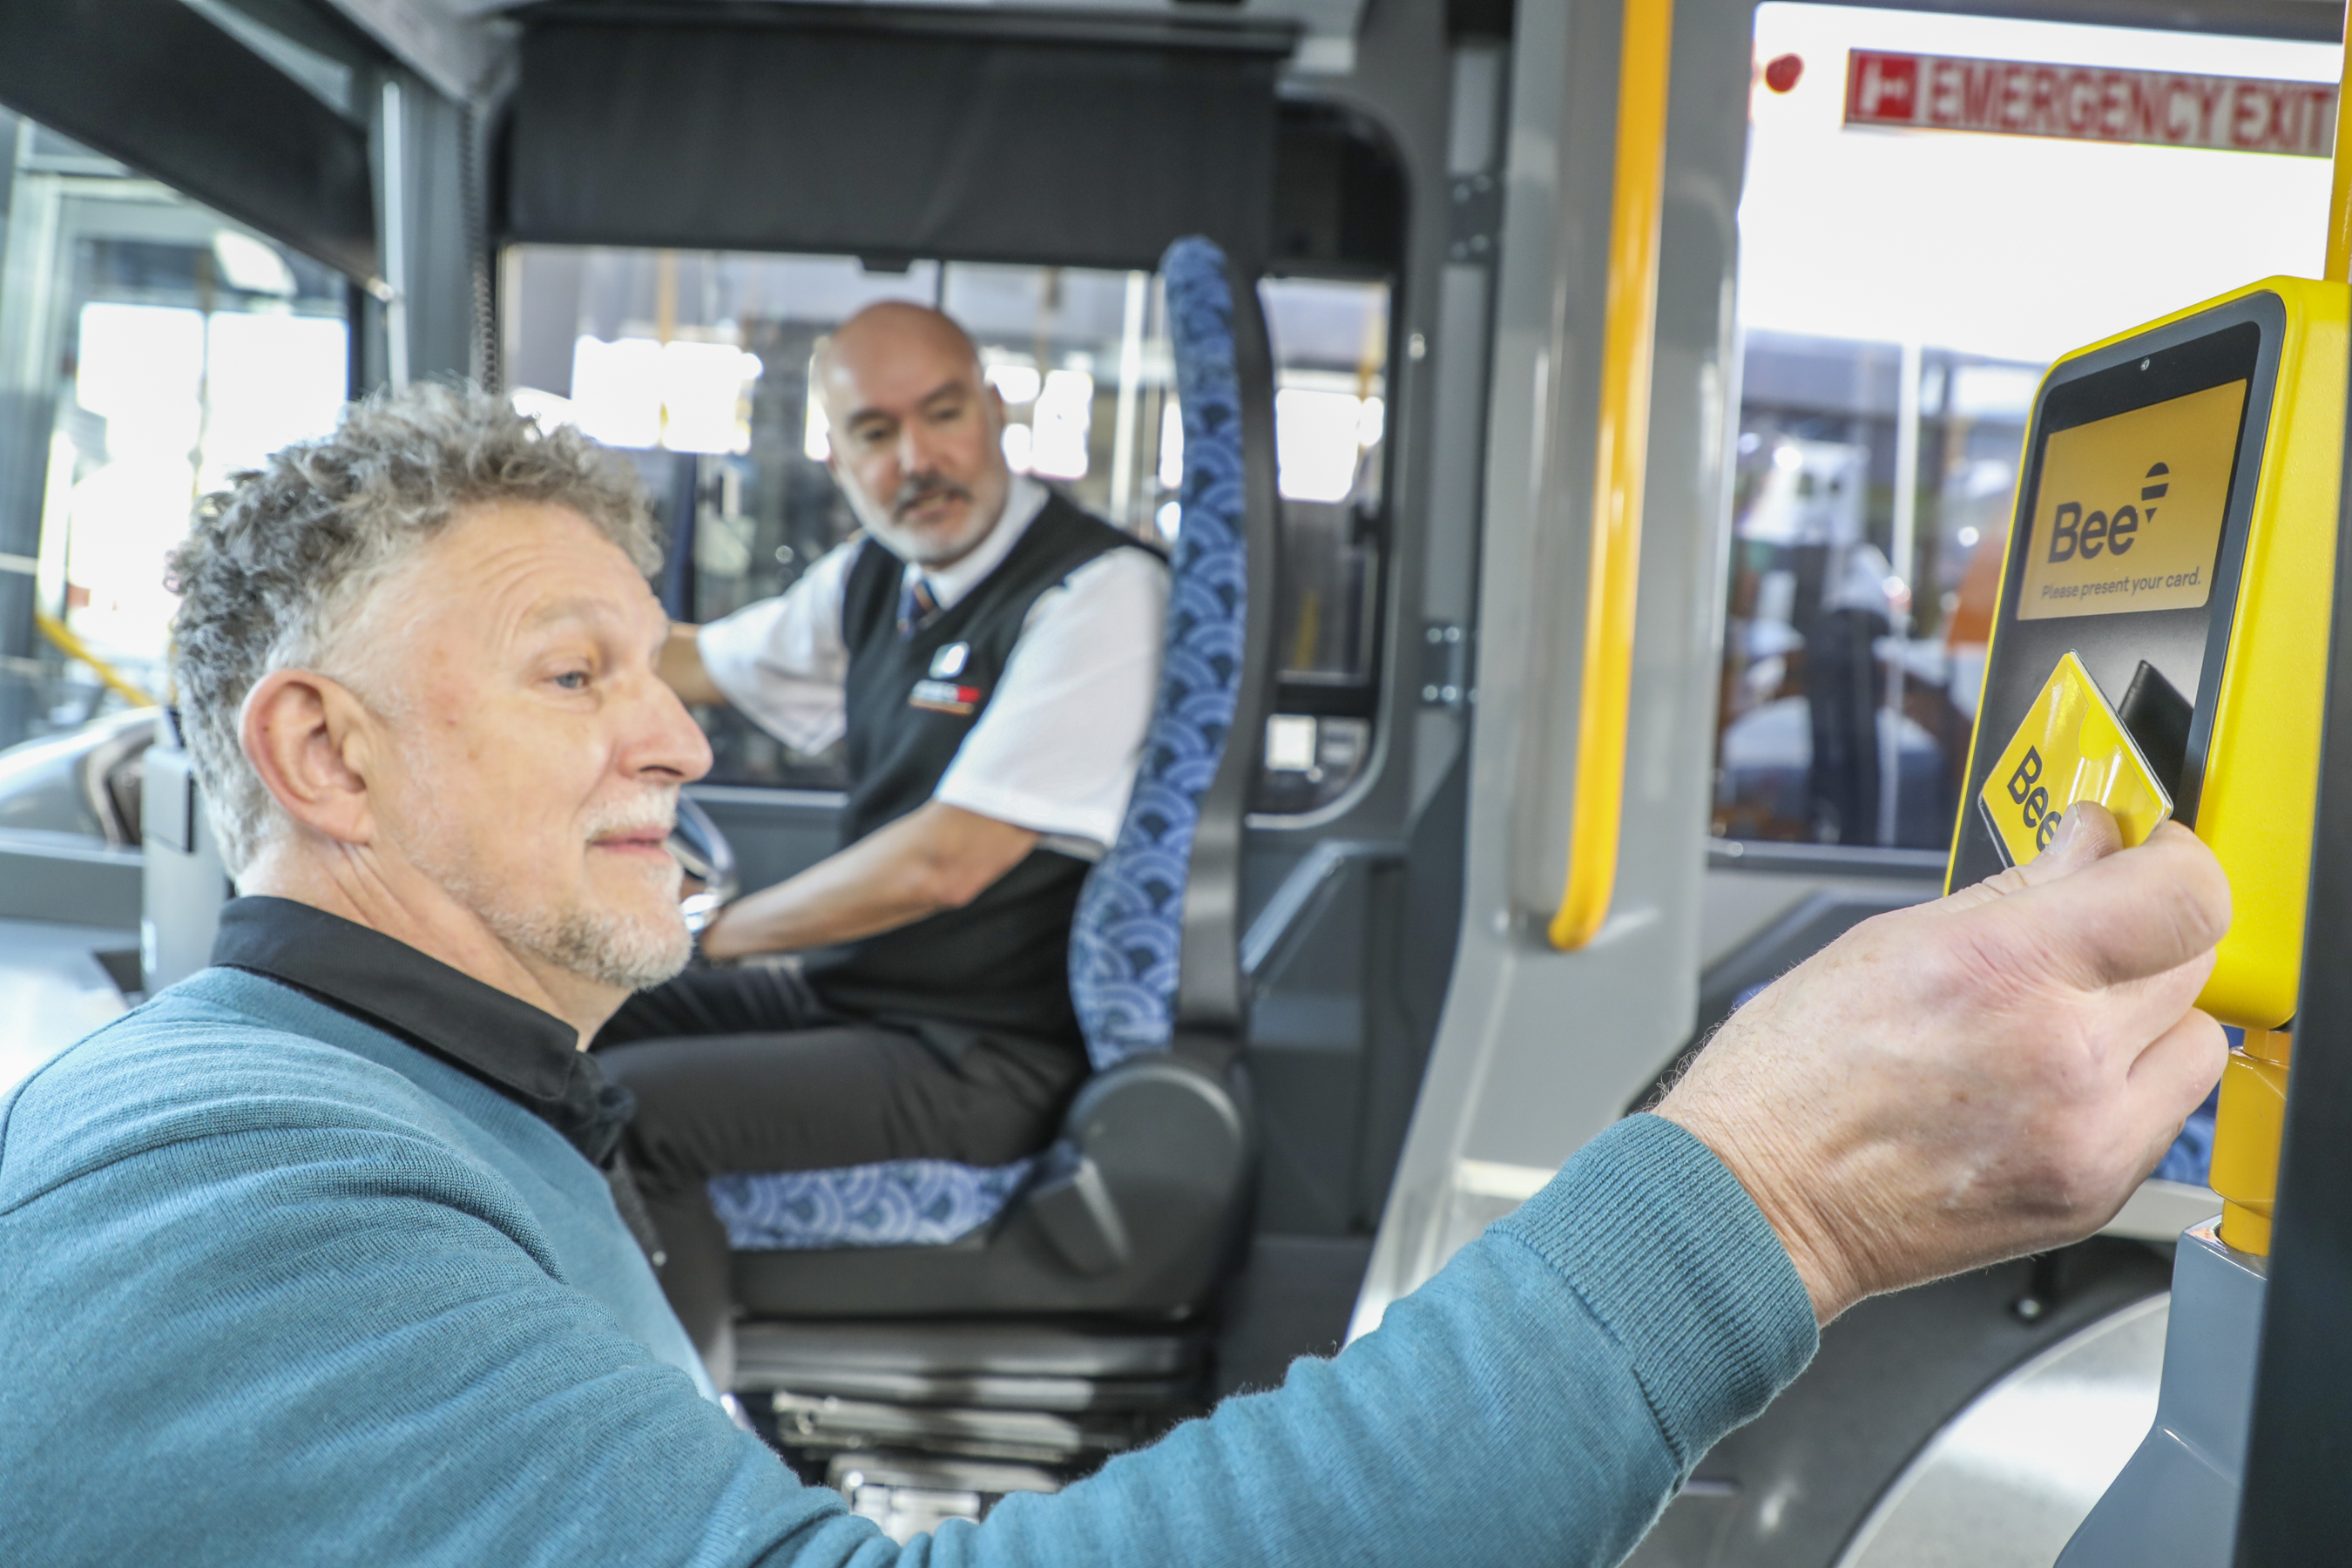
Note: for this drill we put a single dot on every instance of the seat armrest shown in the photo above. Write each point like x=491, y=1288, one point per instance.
x=1154, y=1159
x=1074, y=1208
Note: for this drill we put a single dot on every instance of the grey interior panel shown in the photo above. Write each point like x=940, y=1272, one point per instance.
x=1791, y=1489
x=2010, y=1480
x=1806, y=916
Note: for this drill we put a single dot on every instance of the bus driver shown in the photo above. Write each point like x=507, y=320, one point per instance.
x=990, y=652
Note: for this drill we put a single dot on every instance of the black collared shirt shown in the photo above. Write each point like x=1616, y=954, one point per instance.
x=532, y=1057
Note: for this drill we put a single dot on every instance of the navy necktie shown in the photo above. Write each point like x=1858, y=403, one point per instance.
x=915, y=607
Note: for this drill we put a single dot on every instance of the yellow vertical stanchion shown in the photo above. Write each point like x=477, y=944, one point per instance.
x=1627, y=345
x=2246, y=1138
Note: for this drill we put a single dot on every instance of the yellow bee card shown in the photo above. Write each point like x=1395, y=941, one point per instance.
x=2072, y=747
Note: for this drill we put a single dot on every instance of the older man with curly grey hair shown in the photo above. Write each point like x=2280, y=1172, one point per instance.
x=321, y=1255
x=438, y=606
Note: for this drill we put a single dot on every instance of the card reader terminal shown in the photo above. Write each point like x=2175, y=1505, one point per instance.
x=2174, y=533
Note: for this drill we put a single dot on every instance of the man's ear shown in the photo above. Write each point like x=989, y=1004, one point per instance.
x=307, y=736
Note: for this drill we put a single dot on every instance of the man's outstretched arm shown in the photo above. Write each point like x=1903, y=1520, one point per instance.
x=343, y=1323
x=343, y=1327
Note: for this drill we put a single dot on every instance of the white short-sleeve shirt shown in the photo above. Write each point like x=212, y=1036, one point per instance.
x=1057, y=747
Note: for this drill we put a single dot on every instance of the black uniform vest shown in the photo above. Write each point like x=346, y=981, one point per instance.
x=1002, y=962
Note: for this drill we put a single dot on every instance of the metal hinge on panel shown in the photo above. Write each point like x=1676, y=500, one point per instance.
x=1475, y=227
x=1444, y=665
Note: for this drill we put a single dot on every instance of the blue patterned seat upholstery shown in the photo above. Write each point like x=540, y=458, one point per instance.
x=894, y=1203
x=1125, y=938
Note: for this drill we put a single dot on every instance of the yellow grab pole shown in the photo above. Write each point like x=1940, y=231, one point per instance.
x=73, y=646
x=2246, y=1136
x=1644, y=58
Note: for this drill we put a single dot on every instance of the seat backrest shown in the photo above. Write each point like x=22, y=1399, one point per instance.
x=1153, y=945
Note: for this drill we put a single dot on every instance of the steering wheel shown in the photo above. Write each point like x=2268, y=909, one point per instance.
x=711, y=879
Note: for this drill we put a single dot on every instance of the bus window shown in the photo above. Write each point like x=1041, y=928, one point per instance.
x=148, y=348
x=1814, y=663
x=1901, y=293
x=697, y=366
x=1330, y=341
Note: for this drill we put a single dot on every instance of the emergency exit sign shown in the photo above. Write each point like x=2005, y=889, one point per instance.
x=2090, y=103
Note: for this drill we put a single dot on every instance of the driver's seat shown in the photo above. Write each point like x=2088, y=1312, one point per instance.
x=937, y=1306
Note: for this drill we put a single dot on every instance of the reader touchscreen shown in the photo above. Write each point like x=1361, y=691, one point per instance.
x=2128, y=543
x=2130, y=517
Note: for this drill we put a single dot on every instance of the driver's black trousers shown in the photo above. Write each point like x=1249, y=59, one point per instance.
x=748, y=1070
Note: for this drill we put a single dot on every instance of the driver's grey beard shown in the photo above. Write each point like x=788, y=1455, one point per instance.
x=882, y=524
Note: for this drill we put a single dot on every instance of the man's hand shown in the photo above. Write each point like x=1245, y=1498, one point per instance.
x=937, y=857
x=1985, y=1076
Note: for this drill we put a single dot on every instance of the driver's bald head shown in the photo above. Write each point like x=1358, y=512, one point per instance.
x=890, y=339
x=916, y=434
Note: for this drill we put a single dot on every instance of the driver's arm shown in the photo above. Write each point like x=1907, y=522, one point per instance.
x=778, y=662
x=1049, y=762
x=937, y=857
x=681, y=667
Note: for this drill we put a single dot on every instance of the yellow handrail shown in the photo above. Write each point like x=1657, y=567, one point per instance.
x=1644, y=59
x=73, y=646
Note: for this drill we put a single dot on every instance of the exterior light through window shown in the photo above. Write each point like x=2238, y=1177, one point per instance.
x=1318, y=439
x=1016, y=383
x=702, y=396
x=1018, y=442
x=686, y=396
x=1064, y=415
x=1171, y=449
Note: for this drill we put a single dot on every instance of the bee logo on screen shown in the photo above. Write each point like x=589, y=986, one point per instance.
x=2072, y=534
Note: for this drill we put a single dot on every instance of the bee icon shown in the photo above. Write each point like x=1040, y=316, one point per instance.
x=2156, y=489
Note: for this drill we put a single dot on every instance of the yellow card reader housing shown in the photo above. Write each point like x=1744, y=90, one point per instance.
x=2175, y=531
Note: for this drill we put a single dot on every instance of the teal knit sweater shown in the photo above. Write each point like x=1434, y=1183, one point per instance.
x=276, y=1287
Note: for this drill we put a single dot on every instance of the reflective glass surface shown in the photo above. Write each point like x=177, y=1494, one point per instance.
x=1903, y=291
x=150, y=348
x=1850, y=682
x=698, y=364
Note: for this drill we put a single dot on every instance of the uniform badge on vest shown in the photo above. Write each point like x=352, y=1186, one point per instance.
x=949, y=662
x=944, y=696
